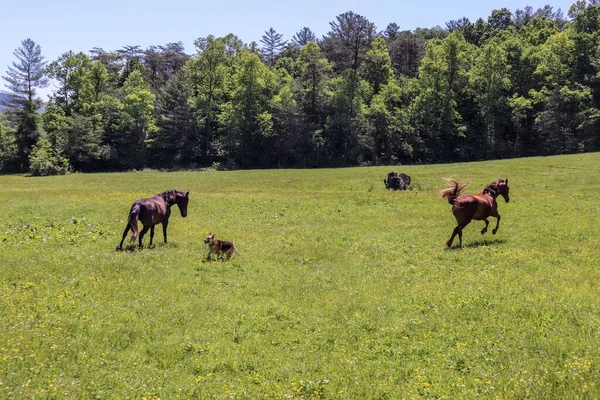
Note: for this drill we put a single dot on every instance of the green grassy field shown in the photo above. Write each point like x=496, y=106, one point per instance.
x=343, y=289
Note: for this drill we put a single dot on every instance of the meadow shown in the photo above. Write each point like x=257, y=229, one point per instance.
x=342, y=290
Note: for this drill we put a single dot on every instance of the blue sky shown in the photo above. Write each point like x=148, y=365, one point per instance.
x=78, y=25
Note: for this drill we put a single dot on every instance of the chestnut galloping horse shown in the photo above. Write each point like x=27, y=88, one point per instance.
x=474, y=206
x=153, y=211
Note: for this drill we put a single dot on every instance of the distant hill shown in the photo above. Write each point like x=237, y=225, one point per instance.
x=2, y=97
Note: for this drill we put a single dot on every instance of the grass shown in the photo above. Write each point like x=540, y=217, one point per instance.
x=343, y=289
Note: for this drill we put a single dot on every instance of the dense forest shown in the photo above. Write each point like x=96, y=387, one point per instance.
x=515, y=84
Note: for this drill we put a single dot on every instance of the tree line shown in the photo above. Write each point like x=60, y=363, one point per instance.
x=515, y=84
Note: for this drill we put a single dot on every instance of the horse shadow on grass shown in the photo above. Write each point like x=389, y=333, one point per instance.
x=479, y=243
x=134, y=247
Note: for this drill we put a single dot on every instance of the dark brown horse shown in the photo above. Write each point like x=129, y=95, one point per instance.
x=474, y=206
x=153, y=211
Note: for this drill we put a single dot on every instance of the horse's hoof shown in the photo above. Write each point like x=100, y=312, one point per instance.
x=483, y=231
x=494, y=231
x=119, y=249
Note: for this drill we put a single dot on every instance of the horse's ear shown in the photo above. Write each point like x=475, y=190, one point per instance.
x=506, y=181
x=187, y=194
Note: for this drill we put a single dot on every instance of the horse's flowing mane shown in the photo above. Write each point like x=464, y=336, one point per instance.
x=455, y=189
x=170, y=195
x=491, y=189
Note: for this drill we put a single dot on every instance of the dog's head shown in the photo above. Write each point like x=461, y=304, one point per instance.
x=209, y=238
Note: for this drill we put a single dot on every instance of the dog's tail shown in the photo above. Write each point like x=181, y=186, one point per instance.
x=134, y=215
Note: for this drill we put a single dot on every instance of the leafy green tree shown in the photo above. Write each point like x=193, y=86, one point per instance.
x=522, y=17
x=437, y=32
x=73, y=137
x=8, y=146
x=406, y=51
x=245, y=119
x=346, y=46
x=521, y=66
x=22, y=80
x=586, y=38
x=294, y=142
x=176, y=142
x=348, y=41
x=441, y=87
x=315, y=71
x=210, y=74
x=112, y=63
x=95, y=92
x=474, y=32
x=377, y=68
x=135, y=123
x=44, y=160
x=585, y=31
x=500, y=19
x=490, y=79
x=69, y=73
x=162, y=62
x=346, y=130
x=538, y=30
x=74, y=118
x=393, y=138
x=566, y=105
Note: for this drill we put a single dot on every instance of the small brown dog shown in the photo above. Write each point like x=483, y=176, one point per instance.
x=219, y=247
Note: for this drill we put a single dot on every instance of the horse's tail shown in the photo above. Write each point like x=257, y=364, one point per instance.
x=134, y=215
x=456, y=187
x=236, y=250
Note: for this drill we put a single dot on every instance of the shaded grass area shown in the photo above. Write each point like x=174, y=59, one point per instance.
x=343, y=289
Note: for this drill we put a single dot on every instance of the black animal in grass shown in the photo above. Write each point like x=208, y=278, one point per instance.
x=397, y=181
x=153, y=211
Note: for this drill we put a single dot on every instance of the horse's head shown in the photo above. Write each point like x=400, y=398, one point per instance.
x=182, y=200
x=497, y=188
x=503, y=189
x=179, y=198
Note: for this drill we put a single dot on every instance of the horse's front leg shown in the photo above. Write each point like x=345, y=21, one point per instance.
x=497, y=224
x=487, y=222
x=165, y=223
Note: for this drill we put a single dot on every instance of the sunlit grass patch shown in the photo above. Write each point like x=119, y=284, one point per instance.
x=342, y=290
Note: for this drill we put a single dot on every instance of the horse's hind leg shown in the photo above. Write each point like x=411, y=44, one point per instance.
x=127, y=228
x=142, y=233
x=151, y=235
x=487, y=222
x=456, y=231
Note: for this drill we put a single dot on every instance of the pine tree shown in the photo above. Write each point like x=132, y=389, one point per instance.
x=273, y=45
x=22, y=79
x=303, y=37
